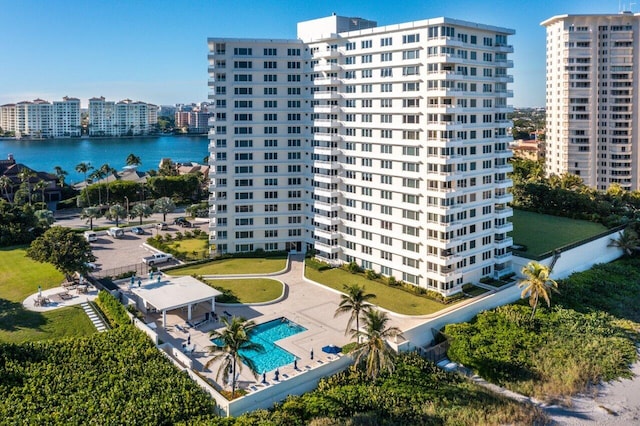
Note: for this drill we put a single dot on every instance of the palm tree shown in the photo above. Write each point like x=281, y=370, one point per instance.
x=133, y=160
x=44, y=217
x=41, y=185
x=116, y=212
x=354, y=301
x=374, y=351
x=84, y=168
x=140, y=210
x=5, y=184
x=233, y=338
x=107, y=171
x=61, y=174
x=25, y=176
x=627, y=241
x=95, y=177
x=90, y=213
x=537, y=284
x=164, y=205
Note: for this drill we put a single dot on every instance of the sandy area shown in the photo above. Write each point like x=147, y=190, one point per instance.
x=614, y=403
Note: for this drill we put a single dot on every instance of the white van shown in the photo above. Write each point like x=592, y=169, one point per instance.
x=115, y=232
x=91, y=236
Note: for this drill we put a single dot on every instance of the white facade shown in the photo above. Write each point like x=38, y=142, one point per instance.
x=592, y=98
x=124, y=118
x=383, y=146
x=66, y=118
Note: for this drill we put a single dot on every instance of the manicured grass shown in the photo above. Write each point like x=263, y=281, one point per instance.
x=18, y=325
x=542, y=233
x=251, y=290
x=19, y=278
x=393, y=299
x=476, y=291
x=189, y=244
x=233, y=267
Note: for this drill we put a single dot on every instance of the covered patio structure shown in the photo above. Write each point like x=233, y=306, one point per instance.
x=169, y=293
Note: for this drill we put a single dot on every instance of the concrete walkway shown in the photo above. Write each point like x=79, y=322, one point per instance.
x=56, y=302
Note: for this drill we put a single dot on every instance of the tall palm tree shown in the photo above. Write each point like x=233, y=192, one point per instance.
x=107, y=171
x=627, y=241
x=90, y=213
x=355, y=301
x=25, y=176
x=41, y=185
x=537, y=284
x=95, y=177
x=233, y=338
x=140, y=210
x=84, y=169
x=61, y=174
x=5, y=184
x=164, y=205
x=133, y=160
x=116, y=212
x=374, y=352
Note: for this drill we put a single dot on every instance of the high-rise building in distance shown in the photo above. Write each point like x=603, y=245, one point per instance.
x=383, y=146
x=592, y=98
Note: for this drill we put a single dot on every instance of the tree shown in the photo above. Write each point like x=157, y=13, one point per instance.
x=164, y=205
x=41, y=185
x=627, y=241
x=5, y=184
x=25, y=176
x=61, y=174
x=116, y=212
x=44, y=217
x=140, y=210
x=374, y=352
x=355, y=301
x=233, y=338
x=68, y=251
x=107, y=171
x=84, y=168
x=133, y=160
x=537, y=284
x=96, y=176
x=90, y=213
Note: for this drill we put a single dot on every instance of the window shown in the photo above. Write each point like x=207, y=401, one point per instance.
x=410, y=38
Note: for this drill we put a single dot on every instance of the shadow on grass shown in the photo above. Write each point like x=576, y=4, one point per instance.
x=13, y=316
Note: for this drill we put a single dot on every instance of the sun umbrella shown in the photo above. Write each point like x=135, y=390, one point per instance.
x=331, y=349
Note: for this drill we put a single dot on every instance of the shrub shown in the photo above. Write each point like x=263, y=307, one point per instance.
x=124, y=275
x=317, y=264
x=179, y=235
x=391, y=281
x=371, y=274
x=113, y=310
x=353, y=268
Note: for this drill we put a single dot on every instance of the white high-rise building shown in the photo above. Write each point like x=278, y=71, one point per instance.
x=66, y=118
x=592, y=98
x=102, y=117
x=124, y=118
x=34, y=119
x=384, y=146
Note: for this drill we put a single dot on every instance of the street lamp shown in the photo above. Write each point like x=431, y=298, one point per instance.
x=126, y=199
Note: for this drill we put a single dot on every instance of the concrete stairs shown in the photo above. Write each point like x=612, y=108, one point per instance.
x=97, y=321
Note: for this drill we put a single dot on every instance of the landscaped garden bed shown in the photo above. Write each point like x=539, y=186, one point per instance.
x=247, y=290
x=233, y=266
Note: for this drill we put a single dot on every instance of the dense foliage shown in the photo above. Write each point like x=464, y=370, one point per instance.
x=567, y=196
x=417, y=393
x=588, y=336
x=18, y=224
x=112, y=308
x=183, y=187
x=65, y=249
x=116, y=377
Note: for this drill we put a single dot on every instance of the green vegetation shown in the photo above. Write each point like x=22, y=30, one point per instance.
x=68, y=251
x=187, y=246
x=416, y=393
x=589, y=336
x=542, y=233
x=18, y=224
x=116, y=377
x=19, y=278
x=387, y=297
x=113, y=310
x=234, y=266
x=249, y=290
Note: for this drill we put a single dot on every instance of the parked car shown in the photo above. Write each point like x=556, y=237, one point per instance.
x=178, y=220
x=138, y=230
x=115, y=232
x=91, y=236
x=186, y=224
x=91, y=266
x=157, y=258
x=162, y=226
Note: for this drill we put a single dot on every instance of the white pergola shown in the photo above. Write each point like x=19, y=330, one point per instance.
x=170, y=293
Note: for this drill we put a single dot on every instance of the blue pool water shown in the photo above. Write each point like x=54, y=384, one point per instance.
x=266, y=335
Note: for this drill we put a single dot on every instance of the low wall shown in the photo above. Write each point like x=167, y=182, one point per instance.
x=576, y=259
x=147, y=330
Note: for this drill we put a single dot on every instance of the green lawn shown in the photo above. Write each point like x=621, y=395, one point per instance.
x=190, y=244
x=233, y=266
x=251, y=290
x=390, y=298
x=19, y=278
x=542, y=233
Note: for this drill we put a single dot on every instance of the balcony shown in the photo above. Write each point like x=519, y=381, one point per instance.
x=326, y=109
x=505, y=227
x=327, y=81
x=503, y=242
x=320, y=246
x=326, y=67
x=327, y=137
x=326, y=220
x=502, y=257
x=327, y=235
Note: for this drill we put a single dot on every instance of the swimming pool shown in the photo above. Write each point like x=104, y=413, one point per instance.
x=266, y=335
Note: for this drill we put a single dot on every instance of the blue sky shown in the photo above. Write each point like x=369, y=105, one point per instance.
x=156, y=50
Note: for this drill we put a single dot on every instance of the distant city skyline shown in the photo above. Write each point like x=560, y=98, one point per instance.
x=156, y=51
